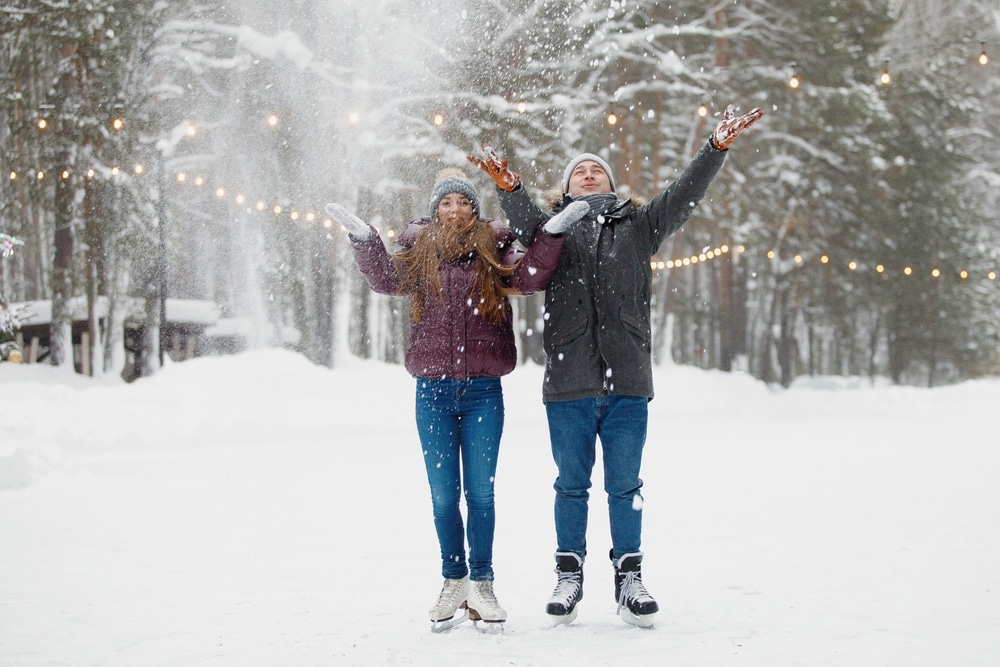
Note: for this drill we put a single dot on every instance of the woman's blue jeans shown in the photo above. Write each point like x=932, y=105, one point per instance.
x=574, y=426
x=460, y=423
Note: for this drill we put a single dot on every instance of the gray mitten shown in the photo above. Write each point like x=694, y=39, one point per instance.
x=354, y=225
x=567, y=217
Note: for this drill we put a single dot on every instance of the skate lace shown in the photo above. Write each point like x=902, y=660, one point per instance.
x=567, y=584
x=632, y=589
x=450, y=594
x=485, y=594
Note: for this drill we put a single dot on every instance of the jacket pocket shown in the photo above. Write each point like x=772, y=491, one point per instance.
x=634, y=325
x=569, y=331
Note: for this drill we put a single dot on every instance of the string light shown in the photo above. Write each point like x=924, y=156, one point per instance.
x=983, y=58
x=439, y=119
x=793, y=80
x=273, y=120
x=118, y=124
x=612, y=118
x=656, y=264
x=707, y=255
x=42, y=123
x=885, y=79
x=702, y=110
x=522, y=107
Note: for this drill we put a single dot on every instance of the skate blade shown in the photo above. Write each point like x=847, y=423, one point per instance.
x=489, y=627
x=644, y=621
x=485, y=626
x=443, y=626
x=564, y=619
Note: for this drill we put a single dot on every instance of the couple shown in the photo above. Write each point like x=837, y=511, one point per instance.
x=591, y=255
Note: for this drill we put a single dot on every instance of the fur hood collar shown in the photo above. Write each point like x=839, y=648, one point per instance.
x=556, y=200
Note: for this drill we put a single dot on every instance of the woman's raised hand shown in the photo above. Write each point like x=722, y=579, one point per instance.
x=354, y=225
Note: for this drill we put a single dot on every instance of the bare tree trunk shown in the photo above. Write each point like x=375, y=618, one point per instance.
x=94, y=251
x=62, y=272
x=325, y=297
x=530, y=326
x=360, y=338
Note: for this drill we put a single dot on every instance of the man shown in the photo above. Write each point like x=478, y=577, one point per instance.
x=598, y=368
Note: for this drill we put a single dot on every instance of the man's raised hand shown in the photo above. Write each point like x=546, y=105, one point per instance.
x=731, y=126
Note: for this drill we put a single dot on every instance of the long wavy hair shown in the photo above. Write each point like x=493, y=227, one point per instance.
x=437, y=242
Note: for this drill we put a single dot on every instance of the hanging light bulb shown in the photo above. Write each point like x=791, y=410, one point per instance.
x=886, y=78
x=793, y=81
x=983, y=58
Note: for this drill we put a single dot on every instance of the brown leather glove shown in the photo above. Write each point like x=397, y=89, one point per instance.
x=497, y=169
x=732, y=125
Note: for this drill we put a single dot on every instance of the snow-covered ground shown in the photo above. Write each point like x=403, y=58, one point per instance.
x=260, y=510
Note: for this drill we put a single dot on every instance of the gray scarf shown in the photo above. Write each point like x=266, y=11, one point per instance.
x=599, y=204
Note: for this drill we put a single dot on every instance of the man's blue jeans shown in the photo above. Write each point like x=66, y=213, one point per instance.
x=574, y=426
x=460, y=423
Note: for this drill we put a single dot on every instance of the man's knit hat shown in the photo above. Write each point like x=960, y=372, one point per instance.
x=449, y=181
x=583, y=157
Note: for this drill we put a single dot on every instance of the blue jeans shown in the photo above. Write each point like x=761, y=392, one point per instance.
x=460, y=423
x=574, y=426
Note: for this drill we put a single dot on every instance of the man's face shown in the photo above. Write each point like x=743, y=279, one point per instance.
x=588, y=179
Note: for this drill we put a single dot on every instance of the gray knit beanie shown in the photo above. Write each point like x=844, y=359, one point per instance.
x=583, y=157
x=449, y=181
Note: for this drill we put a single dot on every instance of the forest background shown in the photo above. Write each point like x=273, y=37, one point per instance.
x=185, y=150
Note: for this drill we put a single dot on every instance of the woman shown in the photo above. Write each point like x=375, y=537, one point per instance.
x=458, y=270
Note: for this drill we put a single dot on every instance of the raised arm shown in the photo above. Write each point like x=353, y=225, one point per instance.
x=537, y=265
x=670, y=209
x=522, y=215
x=370, y=252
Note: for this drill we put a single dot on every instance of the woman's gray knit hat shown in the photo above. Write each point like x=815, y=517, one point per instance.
x=449, y=181
x=583, y=157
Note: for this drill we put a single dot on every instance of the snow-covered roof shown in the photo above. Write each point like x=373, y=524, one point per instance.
x=187, y=311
